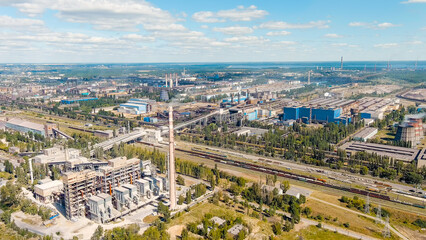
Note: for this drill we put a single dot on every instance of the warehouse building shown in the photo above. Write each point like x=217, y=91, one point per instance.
x=24, y=126
x=71, y=101
x=137, y=106
x=321, y=110
x=375, y=108
x=365, y=134
x=407, y=155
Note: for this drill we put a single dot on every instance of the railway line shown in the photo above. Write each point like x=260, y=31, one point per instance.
x=304, y=178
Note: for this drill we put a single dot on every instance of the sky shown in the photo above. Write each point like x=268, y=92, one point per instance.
x=138, y=31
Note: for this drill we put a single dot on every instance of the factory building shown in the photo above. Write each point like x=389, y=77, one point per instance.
x=24, y=126
x=119, y=171
x=45, y=192
x=137, y=106
x=406, y=155
x=58, y=155
x=410, y=131
x=321, y=110
x=71, y=101
x=375, y=108
x=78, y=186
x=365, y=134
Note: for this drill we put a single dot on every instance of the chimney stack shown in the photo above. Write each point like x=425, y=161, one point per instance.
x=172, y=178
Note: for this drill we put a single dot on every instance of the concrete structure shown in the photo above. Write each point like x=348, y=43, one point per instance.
x=164, y=95
x=322, y=110
x=365, y=134
x=100, y=207
x=421, y=159
x=77, y=187
x=119, y=171
x=58, y=155
x=171, y=172
x=407, y=155
x=104, y=133
x=410, y=131
x=249, y=131
x=45, y=192
x=137, y=106
x=236, y=229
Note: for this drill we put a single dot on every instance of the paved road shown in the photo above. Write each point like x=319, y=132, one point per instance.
x=362, y=214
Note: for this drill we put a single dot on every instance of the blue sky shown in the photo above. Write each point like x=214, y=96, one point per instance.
x=67, y=31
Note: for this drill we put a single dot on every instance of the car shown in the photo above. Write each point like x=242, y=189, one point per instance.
x=411, y=190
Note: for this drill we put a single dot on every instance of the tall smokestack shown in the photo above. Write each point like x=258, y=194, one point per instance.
x=171, y=80
x=176, y=84
x=309, y=77
x=341, y=63
x=167, y=79
x=172, y=182
x=31, y=170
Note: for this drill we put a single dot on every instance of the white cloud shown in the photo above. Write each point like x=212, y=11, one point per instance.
x=246, y=39
x=415, y=1
x=204, y=26
x=386, y=45
x=238, y=14
x=26, y=24
x=137, y=37
x=415, y=42
x=234, y=30
x=278, y=33
x=373, y=25
x=117, y=15
x=343, y=45
x=288, y=42
x=285, y=25
x=333, y=35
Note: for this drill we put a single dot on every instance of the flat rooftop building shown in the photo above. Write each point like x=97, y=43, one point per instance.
x=45, y=192
x=406, y=155
x=365, y=134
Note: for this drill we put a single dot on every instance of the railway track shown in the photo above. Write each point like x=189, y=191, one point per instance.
x=269, y=170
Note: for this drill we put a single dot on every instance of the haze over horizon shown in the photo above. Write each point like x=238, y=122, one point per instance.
x=130, y=31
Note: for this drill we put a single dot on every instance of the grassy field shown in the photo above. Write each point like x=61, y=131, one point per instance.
x=385, y=135
x=259, y=229
x=356, y=222
x=401, y=220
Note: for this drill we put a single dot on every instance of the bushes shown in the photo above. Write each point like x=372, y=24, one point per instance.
x=420, y=223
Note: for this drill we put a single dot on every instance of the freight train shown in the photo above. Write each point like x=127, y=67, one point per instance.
x=268, y=170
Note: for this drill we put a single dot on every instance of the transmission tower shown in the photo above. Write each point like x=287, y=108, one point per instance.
x=379, y=215
x=367, y=205
x=386, y=232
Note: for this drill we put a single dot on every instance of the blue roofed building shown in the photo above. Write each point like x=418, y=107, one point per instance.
x=137, y=106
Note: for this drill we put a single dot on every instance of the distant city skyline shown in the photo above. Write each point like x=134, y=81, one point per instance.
x=125, y=31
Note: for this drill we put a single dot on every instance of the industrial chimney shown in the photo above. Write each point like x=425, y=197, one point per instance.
x=172, y=178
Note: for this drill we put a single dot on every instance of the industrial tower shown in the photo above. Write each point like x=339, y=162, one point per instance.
x=341, y=63
x=172, y=178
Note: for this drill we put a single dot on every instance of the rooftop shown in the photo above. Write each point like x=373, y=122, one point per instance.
x=25, y=123
x=400, y=153
x=48, y=185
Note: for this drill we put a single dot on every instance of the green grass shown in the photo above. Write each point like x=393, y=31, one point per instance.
x=313, y=233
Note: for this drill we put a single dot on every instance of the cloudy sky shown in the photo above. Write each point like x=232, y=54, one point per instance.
x=69, y=31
